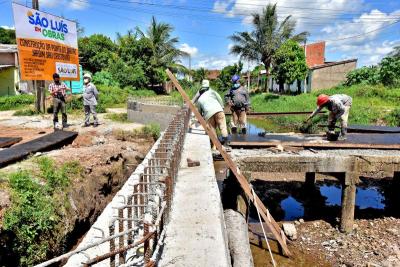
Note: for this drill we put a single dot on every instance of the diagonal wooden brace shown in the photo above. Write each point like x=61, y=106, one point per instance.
x=270, y=222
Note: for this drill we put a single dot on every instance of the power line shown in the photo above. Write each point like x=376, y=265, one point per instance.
x=220, y=36
x=219, y=19
x=204, y=9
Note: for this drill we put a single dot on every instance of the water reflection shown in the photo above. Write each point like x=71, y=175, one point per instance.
x=293, y=200
x=292, y=208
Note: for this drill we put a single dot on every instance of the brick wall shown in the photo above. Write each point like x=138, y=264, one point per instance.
x=315, y=54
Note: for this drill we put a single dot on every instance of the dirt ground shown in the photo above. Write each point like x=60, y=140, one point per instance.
x=373, y=243
x=96, y=149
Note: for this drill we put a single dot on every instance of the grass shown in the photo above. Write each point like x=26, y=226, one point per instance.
x=16, y=101
x=38, y=198
x=117, y=117
x=147, y=131
x=371, y=104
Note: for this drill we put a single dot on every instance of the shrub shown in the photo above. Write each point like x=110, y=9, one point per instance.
x=15, y=102
x=104, y=78
x=364, y=75
x=34, y=214
x=390, y=71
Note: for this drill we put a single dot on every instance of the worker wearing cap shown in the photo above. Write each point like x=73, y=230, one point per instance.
x=239, y=102
x=58, y=90
x=211, y=107
x=339, y=109
x=90, y=95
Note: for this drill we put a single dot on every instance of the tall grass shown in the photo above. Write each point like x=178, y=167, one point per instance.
x=371, y=104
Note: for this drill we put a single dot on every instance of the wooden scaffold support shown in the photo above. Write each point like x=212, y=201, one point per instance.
x=266, y=216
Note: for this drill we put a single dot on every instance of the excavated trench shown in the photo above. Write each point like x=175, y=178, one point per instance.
x=107, y=165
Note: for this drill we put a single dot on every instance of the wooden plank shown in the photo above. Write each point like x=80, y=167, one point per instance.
x=372, y=129
x=331, y=145
x=272, y=224
x=9, y=141
x=256, y=114
x=43, y=143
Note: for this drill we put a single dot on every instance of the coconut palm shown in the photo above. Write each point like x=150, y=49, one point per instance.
x=267, y=36
x=396, y=52
x=165, y=54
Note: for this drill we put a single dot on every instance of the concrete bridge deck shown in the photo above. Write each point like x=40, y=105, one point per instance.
x=346, y=165
x=195, y=235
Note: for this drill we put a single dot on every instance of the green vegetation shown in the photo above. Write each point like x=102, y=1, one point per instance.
x=7, y=36
x=117, y=117
x=151, y=130
x=15, y=102
x=223, y=82
x=387, y=72
x=137, y=59
x=371, y=104
x=289, y=64
x=37, y=204
x=269, y=33
x=25, y=112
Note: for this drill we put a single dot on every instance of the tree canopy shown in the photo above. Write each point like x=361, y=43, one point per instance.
x=95, y=52
x=268, y=34
x=289, y=64
x=7, y=36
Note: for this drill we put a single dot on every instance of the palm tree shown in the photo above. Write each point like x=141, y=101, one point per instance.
x=165, y=54
x=267, y=36
x=396, y=52
x=200, y=74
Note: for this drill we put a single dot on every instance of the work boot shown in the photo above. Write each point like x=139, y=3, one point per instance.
x=343, y=134
x=86, y=125
x=234, y=130
x=244, y=131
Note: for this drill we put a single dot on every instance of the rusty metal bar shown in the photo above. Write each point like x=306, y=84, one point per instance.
x=118, y=251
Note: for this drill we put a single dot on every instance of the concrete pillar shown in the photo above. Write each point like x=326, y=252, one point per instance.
x=310, y=179
x=348, y=202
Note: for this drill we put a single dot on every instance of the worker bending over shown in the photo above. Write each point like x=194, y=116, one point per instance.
x=238, y=101
x=339, y=108
x=211, y=107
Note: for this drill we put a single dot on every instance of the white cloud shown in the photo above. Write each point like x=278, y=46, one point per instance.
x=323, y=11
x=79, y=4
x=215, y=62
x=191, y=50
x=369, y=53
x=365, y=27
x=8, y=27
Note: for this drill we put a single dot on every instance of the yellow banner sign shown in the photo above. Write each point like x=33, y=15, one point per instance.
x=47, y=44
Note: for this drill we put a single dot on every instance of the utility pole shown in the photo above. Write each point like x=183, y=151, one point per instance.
x=39, y=85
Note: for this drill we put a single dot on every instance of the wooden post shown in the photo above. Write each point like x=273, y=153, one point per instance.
x=39, y=85
x=348, y=202
x=270, y=222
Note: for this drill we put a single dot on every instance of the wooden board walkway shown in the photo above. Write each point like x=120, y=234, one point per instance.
x=9, y=141
x=354, y=141
x=44, y=143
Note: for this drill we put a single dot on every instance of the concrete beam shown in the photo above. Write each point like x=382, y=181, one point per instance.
x=196, y=232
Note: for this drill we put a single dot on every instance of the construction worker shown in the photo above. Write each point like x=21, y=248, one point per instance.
x=58, y=90
x=211, y=107
x=90, y=95
x=339, y=108
x=239, y=102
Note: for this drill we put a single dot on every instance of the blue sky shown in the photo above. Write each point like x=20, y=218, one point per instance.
x=363, y=29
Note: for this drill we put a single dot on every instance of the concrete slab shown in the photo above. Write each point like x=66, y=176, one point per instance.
x=195, y=234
